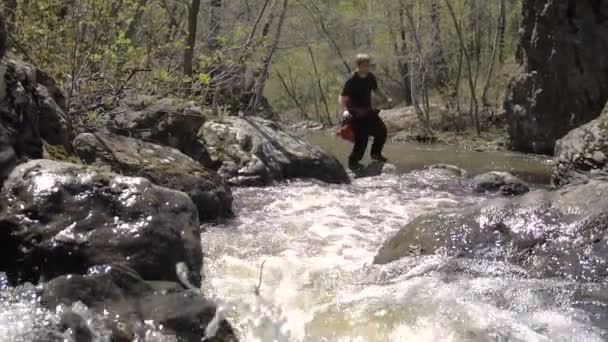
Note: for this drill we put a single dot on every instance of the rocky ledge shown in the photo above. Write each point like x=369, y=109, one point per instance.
x=254, y=151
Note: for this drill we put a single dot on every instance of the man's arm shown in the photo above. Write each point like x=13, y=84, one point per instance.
x=380, y=93
x=344, y=103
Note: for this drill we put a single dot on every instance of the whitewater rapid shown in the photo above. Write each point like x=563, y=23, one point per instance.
x=317, y=243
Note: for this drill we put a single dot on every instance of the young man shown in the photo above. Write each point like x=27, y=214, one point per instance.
x=356, y=104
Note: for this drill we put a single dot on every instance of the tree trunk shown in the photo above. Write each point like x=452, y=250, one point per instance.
x=292, y=95
x=319, y=85
x=438, y=61
x=261, y=83
x=402, y=59
x=473, y=110
x=134, y=24
x=10, y=7
x=491, y=63
x=215, y=7
x=193, y=11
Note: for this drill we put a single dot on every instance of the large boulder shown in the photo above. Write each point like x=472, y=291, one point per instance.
x=32, y=110
x=562, y=233
x=582, y=154
x=256, y=151
x=59, y=218
x=164, y=166
x=164, y=121
x=563, y=79
x=125, y=305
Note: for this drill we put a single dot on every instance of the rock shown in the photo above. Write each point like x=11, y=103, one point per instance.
x=550, y=234
x=503, y=182
x=2, y=37
x=59, y=218
x=163, y=166
x=125, y=304
x=449, y=168
x=164, y=121
x=404, y=120
x=563, y=79
x=31, y=110
x=581, y=154
x=376, y=168
x=256, y=151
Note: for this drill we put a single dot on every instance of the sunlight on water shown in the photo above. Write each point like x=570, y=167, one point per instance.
x=318, y=283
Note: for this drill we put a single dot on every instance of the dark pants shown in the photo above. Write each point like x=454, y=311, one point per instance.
x=364, y=128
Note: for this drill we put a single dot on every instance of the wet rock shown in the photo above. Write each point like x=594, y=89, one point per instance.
x=163, y=166
x=455, y=170
x=562, y=233
x=255, y=151
x=563, y=78
x=376, y=168
x=581, y=154
x=32, y=109
x=126, y=304
x=59, y=218
x=500, y=182
x=164, y=121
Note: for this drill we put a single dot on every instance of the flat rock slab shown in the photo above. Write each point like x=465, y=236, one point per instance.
x=162, y=165
x=164, y=121
x=59, y=218
x=256, y=151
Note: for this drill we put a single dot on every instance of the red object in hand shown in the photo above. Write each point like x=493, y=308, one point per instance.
x=347, y=132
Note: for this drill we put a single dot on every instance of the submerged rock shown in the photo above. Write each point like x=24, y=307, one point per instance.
x=164, y=121
x=563, y=81
x=561, y=233
x=458, y=171
x=255, y=151
x=125, y=304
x=164, y=166
x=582, y=154
x=59, y=218
x=500, y=182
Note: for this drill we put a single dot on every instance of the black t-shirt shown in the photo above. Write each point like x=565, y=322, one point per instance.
x=359, y=90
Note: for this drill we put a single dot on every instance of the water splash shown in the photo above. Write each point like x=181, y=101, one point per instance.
x=319, y=284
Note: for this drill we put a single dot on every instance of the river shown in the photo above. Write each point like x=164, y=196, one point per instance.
x=318, y=283
x=317, y=243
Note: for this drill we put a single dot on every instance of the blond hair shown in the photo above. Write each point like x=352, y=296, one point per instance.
x=362, y=58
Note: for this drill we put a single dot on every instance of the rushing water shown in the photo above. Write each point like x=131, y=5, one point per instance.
x=317, y=242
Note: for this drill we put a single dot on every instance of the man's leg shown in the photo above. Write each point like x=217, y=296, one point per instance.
x=361, y=139
x=379, y=132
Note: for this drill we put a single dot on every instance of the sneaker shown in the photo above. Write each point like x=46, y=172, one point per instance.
x=379, y=157
x=355, y=166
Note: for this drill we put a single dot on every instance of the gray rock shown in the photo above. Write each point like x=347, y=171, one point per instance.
x=164, y=121
x=162, y=165
x=449, y=168
x=561, y=233
x=32, y=109
x=123, y=302
x=502, y=182
x=563, y=79
x=59, y=218
x=256, y=151
x=581, y=154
